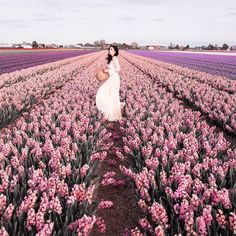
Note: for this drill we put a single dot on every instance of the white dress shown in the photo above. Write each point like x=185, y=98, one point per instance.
x=107, y=97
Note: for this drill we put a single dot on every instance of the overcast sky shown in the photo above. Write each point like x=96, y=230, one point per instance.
x=196, y=22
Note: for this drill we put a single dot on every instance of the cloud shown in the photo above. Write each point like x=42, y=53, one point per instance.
x=160, y=19
x=145, y=2
x=37, y=19
x=76, y=10
x=49, y=19
x=126, y=18
x=231, y=14
x=231, y=8
x=21, y=26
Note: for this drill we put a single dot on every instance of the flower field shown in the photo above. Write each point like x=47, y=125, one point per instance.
x=12, y=60
x=178, y=150
x=221, y=65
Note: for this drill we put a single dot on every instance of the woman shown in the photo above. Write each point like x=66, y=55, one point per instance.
x=107, y=98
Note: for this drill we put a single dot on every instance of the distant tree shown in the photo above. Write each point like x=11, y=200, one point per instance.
x=89, y=45
x=225, y=46
x=43, y=45
x=187, y=47
x=210, y=47
x=97, y=43
x=170, y=46
x=102, y=41
x=35, y=44
x=177, y=46
x=134, y=45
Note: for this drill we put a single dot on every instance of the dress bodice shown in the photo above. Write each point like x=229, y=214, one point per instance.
x=114, y=66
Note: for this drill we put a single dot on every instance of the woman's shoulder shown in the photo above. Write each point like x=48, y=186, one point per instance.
x=115, y=58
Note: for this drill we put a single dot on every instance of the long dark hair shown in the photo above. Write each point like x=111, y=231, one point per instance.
x=109, y=56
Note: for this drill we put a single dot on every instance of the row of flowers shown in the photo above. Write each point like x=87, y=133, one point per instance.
x=219, y=66
x=18, y=61
x=7, y=79
x=217, y=82
x=218, y=105
x=183, y=170
x=23, y=94
x=48, y=159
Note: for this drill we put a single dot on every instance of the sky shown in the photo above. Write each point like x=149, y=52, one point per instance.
x=160, y=22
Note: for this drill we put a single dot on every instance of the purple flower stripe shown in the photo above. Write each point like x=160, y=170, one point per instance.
x=12, y=63
x=220, y=65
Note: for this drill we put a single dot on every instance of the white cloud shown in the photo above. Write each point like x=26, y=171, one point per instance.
x=144, y=21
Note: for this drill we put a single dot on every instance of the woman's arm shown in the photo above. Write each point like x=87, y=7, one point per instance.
x=116, y=64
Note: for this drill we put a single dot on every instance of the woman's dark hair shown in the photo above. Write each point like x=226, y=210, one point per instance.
x=109, y=56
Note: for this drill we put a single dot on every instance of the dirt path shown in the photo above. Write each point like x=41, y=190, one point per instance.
x=125, y=211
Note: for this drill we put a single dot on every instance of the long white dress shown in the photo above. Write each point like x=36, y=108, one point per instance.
x=107, y=97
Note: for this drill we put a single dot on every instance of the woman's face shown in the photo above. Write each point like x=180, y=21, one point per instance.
x=112, y=51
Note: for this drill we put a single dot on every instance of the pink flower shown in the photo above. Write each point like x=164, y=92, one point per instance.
x=55, y=205
x=84, y=170
x=135, y=232
x=5, y=181
x=145, y=224
x=105, y=204
x=108, y=181
x=44, y=204
x=158, y=214
x=159, y=231
x=221, y=219
x=195, y=201
x=89, y=193
x=47, y=229
x=101, y=225
x=8, y=212
x=3, y=202
x=109, y=174
x=232, y=222
x=207, y=214
x=28, y=202
x=31, y=219
x=98, y=156
x=39, y=220
x=189, y=222
x=120, y=155
x=143, y=205
x=3, y=232
x=201, y=226
x=78, y=193
x=152, y=163
x=112, y=162
x=83, y=225
x=127, y=171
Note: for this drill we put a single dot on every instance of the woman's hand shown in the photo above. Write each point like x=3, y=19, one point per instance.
x=105, y=70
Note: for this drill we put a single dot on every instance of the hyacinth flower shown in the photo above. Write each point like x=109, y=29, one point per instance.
x=192, y=163
x=59, y=145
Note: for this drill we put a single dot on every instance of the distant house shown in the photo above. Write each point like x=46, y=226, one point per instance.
x=26, y=45
x=17, y=45
x=124, y=46
x=52, y=45
x=6, y=45
x=79, y=45
x=41, y=45
x=233, y=47
x=155, y=47
x=150, y=47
